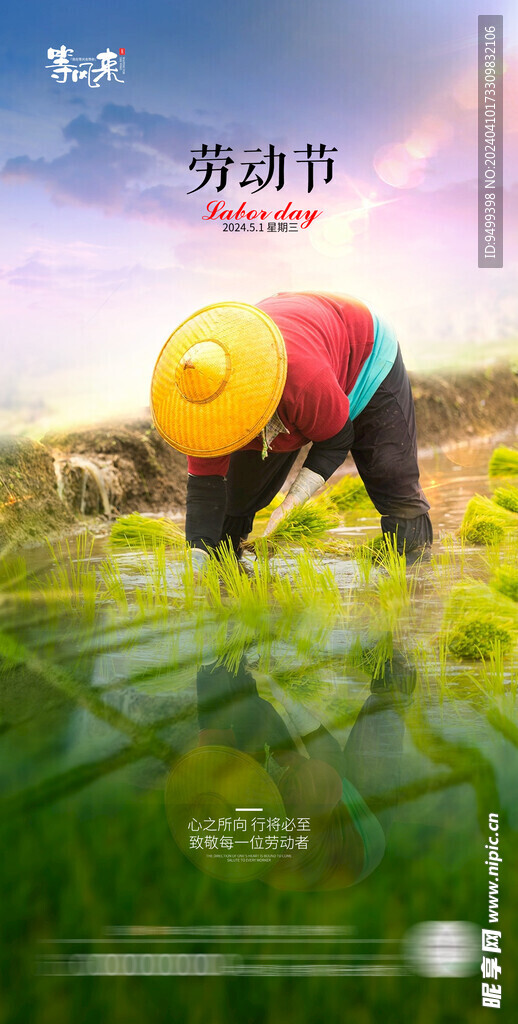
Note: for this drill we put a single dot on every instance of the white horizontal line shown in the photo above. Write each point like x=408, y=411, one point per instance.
x=202, y=938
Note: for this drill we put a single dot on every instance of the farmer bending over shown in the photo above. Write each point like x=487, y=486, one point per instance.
x=241, y=389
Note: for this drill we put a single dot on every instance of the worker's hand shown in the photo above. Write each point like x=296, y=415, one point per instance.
x=279, y=513
x=302, y=488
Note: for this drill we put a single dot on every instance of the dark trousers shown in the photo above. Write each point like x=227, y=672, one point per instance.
x=385, y=453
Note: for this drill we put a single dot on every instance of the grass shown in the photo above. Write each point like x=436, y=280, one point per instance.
x=349, y=493
x=485, y=522
x=504, y=462
x=137, y=531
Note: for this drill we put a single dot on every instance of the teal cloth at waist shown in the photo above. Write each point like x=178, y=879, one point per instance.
x=376, y=367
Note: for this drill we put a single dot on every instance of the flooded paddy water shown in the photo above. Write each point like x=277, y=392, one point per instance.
x=99, y=700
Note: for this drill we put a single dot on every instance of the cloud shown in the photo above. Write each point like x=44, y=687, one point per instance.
x=33, y=273
x=168, y=136
x=59, y=273
x=116, y=162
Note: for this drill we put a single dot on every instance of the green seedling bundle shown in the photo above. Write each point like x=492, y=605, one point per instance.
x=479, y=619
x=505, y=581
x=504, y=462
x=507, y=497
x=138, y=531
x=312, y=519
x=486, y=522
x=349, y=493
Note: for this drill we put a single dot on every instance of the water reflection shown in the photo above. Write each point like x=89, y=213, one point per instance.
x=317, y=831
x=352, y=707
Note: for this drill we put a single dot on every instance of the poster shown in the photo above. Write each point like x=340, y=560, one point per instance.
x=157, y=159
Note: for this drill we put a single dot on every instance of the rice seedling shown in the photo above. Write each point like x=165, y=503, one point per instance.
x=476, y=619
x=349, y=493
x=491, y=678
x=312, y=519
x=474, y=596
x=247, y=591
x=504, y=462
x=292, y=684
x=363, y=555
x=373, y=549
x=485, y=522
x=449, y=563
x=115, y=590
x=154, y=597
x=394, y=587
x=507, y=497
x=137, y=531
x=16, y=589
x=505, y=580
x=443, y=673
x=73, y=579
x=316, y=585
x=333, y=547
x=371, y=657
x=477, y=635
x=13, y=574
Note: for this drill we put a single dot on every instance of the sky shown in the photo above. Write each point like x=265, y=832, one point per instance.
x=103, y=249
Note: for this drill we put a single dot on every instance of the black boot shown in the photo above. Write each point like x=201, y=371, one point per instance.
x=412, y=536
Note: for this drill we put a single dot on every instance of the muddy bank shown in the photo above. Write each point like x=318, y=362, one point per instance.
x=87, y=476
x=30, y=506
x=456, y=406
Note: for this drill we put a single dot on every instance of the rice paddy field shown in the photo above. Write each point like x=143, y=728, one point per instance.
x=100, y=642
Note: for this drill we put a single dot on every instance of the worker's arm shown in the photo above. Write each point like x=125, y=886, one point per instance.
x=323, y=407
x=324, y=457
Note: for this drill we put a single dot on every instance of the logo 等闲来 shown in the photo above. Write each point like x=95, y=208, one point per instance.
x=107, y=66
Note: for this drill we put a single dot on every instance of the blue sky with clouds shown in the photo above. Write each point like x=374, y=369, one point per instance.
x=103, y=251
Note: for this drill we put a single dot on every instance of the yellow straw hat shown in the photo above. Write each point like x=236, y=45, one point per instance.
x=218, y=379
x=216, y=787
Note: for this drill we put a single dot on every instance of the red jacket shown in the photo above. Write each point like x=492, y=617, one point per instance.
x=328, y=339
